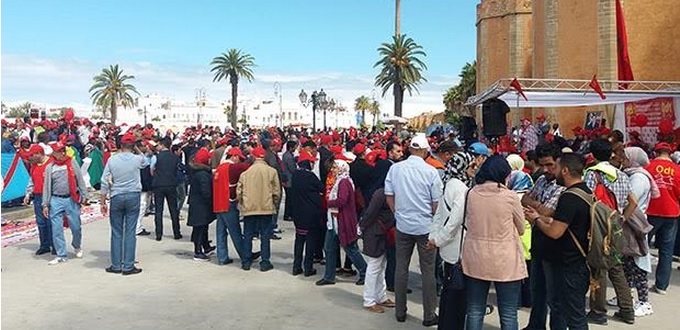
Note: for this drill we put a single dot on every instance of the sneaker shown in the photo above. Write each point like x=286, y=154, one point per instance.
x=266, y=267
x=209, y=251
x=658, y=291
x=79, y=253
x=56, y=261
x=42, y=251
x=643, y=309
x=278, y=231
x=432, y=322
x=613, y=302
x=388, y=303
x=201, y=257
x=628, y=318
x=132, y=271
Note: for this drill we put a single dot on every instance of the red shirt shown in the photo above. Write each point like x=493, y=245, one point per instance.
x=38, y=175
x=667, y=177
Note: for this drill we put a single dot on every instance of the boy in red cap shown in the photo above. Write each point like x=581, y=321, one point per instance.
x=34, y=189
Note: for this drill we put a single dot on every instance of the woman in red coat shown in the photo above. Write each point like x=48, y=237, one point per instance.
x=342, y=224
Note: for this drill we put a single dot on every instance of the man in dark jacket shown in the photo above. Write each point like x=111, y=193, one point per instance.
x=360, y=172
x=289, y=167
x=305, y=194
x=272, y=147
x=164, y=171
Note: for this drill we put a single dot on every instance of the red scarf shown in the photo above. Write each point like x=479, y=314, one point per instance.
x=73, y=187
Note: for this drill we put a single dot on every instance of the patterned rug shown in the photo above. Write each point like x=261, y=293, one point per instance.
x=24, y=229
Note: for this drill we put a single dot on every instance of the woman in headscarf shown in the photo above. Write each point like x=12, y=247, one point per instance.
x=377, y=228
x=644, y=188
x=492, y=251
x=306, y=193
x=519, y=180
x=200, y=205
x=342, y=224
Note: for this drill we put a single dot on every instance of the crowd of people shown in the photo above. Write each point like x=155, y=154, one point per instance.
x=523, y=216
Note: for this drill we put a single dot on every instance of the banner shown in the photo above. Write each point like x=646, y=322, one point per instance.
x=15, y=177
x=644, y=117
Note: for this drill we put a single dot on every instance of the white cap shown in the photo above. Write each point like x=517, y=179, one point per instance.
x=419, y=142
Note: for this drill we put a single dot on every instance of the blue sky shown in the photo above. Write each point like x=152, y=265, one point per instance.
x=51, y=49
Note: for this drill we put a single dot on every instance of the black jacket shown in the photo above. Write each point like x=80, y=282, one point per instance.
x=165, y=171
x=362, y=176
x=306, y=197
x=200, y=199
x=376, y=219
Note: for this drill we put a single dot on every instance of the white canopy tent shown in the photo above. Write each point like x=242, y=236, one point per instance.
x=559, y=93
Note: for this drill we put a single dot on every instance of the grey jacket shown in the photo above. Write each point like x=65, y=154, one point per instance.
x=289, y=167
x=47, y=187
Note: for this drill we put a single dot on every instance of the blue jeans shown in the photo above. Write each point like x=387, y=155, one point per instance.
x=123, y=218
x=552, y=272
x=44, y=225
x=477, y=294
x=332, y=249
x=261, y=224
x=665, y=230
x=571, y=285
x=59, y=207
x=228, y=224
x=539, y=296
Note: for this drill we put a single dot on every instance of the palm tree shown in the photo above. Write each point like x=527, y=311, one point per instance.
x=233, y=65
x=111, y=90
x=456, y=96
x=401, y=68
x=375, y=111
x=361, y=104
x=397, y=17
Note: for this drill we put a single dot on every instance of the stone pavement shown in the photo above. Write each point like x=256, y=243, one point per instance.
x=175, y=292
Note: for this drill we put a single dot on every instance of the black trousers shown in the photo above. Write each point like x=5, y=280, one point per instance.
x=321, y=238
x=199, y=235
x=161, y=195
x=307, y=243
x=288, y=205
x=452, y=304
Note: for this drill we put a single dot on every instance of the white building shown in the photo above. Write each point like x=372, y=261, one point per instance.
x=165, y=113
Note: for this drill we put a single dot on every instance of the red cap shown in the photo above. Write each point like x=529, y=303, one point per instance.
x=326, y=139
x=36, y=149
x=222, y=141
x=258, y=152
x=540, y=116
x=58, y=146
x=305, y=156
x=663, y=146
x=202, y=156
x=128, y=139
x=236, y=151
x=277, y=142
x=359, y=149
x=526, y=119
x=336, y=149
x=25, y=138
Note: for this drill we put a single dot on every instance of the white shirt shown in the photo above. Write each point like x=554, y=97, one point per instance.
x=446, y=229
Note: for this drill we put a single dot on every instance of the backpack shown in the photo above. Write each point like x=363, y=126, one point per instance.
x=602, y=193
x=605, y=238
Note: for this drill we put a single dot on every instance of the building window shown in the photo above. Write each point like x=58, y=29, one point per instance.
x=296, y=116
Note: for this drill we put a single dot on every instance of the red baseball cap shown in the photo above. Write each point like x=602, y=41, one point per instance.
x=359, y=149
x=258, y=152
x=36, y=149
x=128, y=139
x=663, y=146
x=236, y=151
x=305, y=156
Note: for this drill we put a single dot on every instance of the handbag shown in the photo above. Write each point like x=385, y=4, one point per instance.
x=457, y=276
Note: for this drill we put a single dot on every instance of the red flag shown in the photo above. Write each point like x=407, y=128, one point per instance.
x=595, y=85
x=516, y=85
x=625, y=70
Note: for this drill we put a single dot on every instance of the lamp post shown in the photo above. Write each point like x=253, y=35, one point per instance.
x=200, y=102
x=140, y=112
x=277, y=92
x=317, y=100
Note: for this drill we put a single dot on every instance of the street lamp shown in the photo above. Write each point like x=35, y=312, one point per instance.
x=140, y=112
x=330, y=106
x=316, y=98
x=277, y=92
x=200, y=102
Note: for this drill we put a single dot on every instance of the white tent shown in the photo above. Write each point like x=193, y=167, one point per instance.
x=559, y=93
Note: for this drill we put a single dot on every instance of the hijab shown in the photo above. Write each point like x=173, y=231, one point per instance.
x=495, y=169
x=637, y=160
x=516, y=162
x=342, y=174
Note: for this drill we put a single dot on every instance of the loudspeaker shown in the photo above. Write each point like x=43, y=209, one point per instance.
x=493, y=118
x=468, y=128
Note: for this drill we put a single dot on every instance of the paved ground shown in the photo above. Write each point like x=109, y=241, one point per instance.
x=175, y=292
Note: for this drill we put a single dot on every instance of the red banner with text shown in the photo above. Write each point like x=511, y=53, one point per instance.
x=650, y=117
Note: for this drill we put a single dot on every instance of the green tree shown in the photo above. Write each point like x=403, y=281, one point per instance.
x=456, y=96
x=20, y=111
x=375, y=111
x=111, y=89
x=361, y=105
x=233, y=65
x=401, y=68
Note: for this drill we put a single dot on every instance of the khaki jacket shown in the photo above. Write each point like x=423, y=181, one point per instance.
x=258, y=190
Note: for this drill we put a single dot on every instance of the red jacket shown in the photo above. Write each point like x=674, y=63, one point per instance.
x=667, y=177
x=221, y=188
x=38, y=176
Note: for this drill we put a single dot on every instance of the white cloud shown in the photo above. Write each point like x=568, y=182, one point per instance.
x=66, y=82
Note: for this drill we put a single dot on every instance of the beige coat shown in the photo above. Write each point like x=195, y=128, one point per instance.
x=492, y=250
x=258, y=190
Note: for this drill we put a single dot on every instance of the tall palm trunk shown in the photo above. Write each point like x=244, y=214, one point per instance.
x=114, y=111
x=234, y=95
x=363, y=116
x=397, y=18
x=398, y=99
